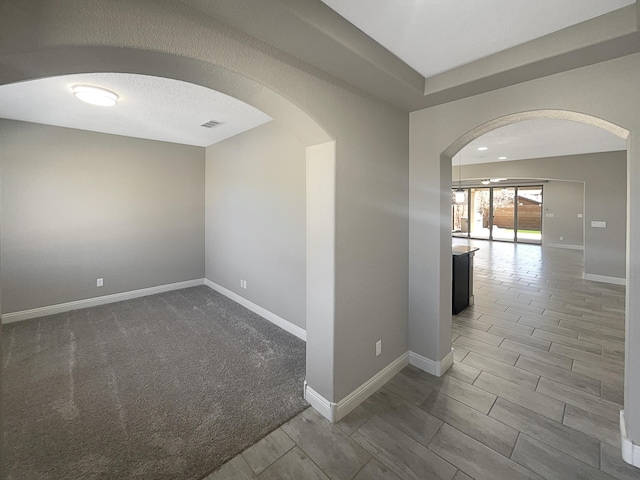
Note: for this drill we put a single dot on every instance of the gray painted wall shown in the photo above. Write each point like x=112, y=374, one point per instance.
x=78, y=205
x=565, y=200
x=2, y=468
x=607, y=91
x=605, y=195
x=255, y=219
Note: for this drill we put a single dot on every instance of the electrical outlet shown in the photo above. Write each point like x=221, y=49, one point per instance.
x=378, y=347
x=100, y=282
x=243, y=284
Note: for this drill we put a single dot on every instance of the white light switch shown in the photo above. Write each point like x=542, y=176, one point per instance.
x=378, y=347
x=100, y=282
x=598, y=224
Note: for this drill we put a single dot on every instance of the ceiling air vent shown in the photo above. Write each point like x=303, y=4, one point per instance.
x=211, y=124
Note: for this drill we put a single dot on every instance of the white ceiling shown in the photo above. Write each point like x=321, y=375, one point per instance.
x=149, y=107
x=540, y=139
x=172, y=111
x=434, y=36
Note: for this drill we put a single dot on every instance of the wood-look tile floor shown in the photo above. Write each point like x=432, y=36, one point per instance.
x=535, y=390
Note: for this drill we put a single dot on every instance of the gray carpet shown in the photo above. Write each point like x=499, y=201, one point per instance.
x=162, y=387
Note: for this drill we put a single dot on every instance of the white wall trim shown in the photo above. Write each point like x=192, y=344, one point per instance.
x=604, y=279
x=272, y=317
x=95, y=301
x=323, y=406
x=437, y=368
x=564, y=245
x=369, y=387
x=630, y=451
x=334, y=412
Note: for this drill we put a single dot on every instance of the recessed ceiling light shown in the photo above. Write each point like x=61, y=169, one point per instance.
x=502, y=158
x=95, y=95
x=482, y=149
x=485, y=182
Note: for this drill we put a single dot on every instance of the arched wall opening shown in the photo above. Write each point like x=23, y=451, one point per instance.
x=602, y=172
x=456, y=146
x=448, y=154
x=498, y=109
x=367, y=181
x=320, y=159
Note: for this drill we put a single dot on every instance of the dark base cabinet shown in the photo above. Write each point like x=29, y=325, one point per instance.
x=460, y=283
x=462, y=287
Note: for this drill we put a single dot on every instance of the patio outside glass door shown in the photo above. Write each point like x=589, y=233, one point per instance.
x=503, y=224
x=508, y=214
x=529, y=214
x=479, y=212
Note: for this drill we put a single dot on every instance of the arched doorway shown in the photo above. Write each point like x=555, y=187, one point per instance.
x=495, y=116
x=357, y=296
x=245, y=80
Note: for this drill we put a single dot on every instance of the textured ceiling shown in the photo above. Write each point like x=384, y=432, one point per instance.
x=540, y=139
x=435, y=36
x=149, y=107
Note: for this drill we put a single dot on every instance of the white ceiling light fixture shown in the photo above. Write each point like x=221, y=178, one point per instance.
x=482, y=149
x=485, y=182
x=502, y=158
x=95, y=95
x=496, y=180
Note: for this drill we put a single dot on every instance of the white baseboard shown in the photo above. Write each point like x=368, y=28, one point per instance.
x=272, y=317
x=334, y=412
x=369, y=387
x=630, y=451
x=93, y=302
x=564, y=245
x=437, y=368
x=604, y=279
x=323, y=406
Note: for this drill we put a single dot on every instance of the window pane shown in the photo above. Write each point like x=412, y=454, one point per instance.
x=530, y=214
x=459, y=215
x=479, y=211
x=504, y=213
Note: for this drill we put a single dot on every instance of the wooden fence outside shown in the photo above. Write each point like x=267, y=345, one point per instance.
x=529, y=217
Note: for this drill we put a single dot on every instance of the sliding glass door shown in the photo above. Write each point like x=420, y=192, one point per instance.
x=529, y=214
x=460, y=216
x=508, y=214
x=480, y=211
x=503, y=220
